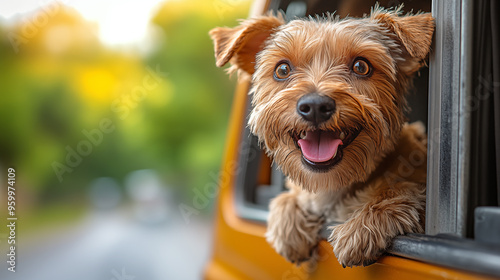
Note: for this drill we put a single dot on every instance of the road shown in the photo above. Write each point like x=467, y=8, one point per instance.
x=115, y=246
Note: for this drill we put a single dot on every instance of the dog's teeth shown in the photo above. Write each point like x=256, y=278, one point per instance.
x=335, y=154
x=342, y=136
x=302, y=135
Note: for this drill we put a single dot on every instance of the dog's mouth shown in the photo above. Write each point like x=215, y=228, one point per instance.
x=322, y=149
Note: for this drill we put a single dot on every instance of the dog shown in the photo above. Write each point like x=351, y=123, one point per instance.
x=329, y=104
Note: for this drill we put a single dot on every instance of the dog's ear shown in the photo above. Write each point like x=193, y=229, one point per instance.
x=241, y=44
x=413, y=31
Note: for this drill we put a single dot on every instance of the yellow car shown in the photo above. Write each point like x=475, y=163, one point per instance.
x=462, y=239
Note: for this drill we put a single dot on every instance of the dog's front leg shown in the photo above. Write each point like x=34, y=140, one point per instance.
x=369, y=231
x=293, y=230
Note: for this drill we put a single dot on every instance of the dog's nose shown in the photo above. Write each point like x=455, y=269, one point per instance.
x=315, y=108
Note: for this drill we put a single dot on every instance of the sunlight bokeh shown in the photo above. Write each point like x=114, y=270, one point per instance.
x=122, y=23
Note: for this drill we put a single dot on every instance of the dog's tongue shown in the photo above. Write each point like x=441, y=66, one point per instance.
x=319, y=146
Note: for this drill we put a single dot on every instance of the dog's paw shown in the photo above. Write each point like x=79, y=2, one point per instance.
x=355, y=244
x=292, y=231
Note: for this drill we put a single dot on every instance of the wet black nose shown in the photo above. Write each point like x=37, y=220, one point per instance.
x=315, y=108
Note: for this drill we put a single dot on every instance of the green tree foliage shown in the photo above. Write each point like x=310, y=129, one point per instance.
x=60, y=82
x=193, y=124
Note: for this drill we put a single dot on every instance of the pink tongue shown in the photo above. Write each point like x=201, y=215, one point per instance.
x=319, y=146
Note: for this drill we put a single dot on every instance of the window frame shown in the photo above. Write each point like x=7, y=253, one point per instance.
x=246, y=180
x=449, y=119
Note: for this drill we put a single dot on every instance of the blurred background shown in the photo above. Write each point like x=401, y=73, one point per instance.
x=114, y=117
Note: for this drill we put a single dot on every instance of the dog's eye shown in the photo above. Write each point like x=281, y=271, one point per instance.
x=282, y=71
x=361, y=67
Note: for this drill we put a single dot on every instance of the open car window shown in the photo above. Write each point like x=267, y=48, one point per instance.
x=458, y=97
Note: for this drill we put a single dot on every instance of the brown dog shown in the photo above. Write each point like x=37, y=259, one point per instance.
x=329, y=103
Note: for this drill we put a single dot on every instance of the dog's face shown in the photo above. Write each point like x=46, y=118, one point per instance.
x=328, y=94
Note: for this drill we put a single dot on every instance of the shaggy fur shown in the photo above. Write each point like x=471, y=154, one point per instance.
x=377, y=188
